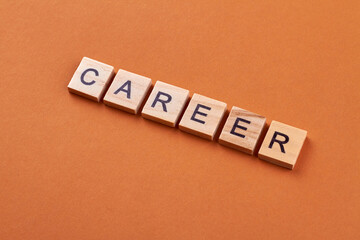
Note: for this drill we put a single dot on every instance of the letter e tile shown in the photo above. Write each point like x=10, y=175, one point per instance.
x=202, y=116
x=242, y=130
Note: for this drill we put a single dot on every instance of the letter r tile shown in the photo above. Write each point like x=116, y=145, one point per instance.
x=91, y=79
x=165, y=103
x=203, y=116
x=282, y=144
x=242, y=130
x=127, y=91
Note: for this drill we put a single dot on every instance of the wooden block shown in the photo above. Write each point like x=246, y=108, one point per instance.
x=165, y=103
x=242, y=130
x=282, y=144
x=202, y=117
x=91, y=79
x=127, y=91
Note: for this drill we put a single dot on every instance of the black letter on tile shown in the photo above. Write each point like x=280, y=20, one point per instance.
x=122, y=88
x=157, y=99
x=236, y=125
x=85, y=72
x=281, y=143
x=200, y=113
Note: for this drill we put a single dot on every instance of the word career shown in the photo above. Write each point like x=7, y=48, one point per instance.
x=282, y=143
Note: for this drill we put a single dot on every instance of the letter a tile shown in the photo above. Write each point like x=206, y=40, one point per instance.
x=202, y=117
x=242, y=130
x=91, y=79
x=165, y=103
x=127, y=91
x=282, y=144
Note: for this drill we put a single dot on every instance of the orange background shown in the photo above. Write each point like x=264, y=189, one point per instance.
x=74, y=169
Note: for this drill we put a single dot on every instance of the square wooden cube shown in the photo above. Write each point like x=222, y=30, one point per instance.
x=127, y=91
x=91, y=79
x=242, y=130
x=282, y=144
x=203, y=116
x=165, y=103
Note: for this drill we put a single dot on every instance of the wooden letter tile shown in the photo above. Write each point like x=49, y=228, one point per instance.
x=202, y=117
x=165, y=103
x=282, y=144
x=91, y=79
x=242, y=130
x=127, y=91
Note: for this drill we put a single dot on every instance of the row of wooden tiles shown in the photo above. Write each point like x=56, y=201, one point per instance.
x=202, y=117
